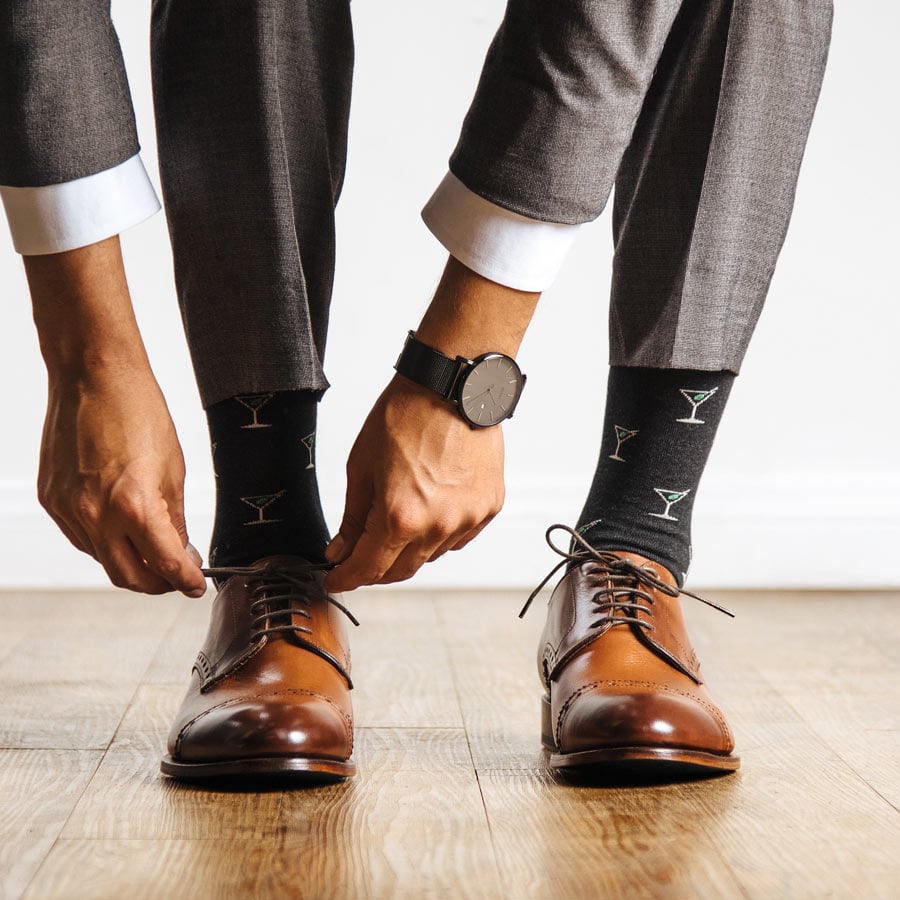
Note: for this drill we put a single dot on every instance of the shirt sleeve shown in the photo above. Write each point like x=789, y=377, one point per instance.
x=57, y=217
x=497, y=243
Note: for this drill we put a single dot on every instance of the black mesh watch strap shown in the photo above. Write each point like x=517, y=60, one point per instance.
x=428, y=367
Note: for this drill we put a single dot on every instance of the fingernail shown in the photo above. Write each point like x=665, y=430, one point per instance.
x=195, y=594
x=194, y=554
x=335, y=550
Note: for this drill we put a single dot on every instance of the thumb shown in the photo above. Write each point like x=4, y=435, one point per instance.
x=356, y=509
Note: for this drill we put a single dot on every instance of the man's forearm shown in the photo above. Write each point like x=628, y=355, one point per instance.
x=470, y=314
x=111, y=471
x=82, y=309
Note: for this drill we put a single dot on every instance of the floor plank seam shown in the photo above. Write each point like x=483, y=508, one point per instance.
x=836, y=752
x=878, y=793
x=462, y=715
x=62, y=827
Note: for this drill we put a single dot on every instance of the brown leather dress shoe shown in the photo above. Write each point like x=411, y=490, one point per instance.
x=623, y=682
x=270, y=690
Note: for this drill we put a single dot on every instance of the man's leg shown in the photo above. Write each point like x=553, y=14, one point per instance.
x=703, y=110
x=252, y=100
x=701, y=212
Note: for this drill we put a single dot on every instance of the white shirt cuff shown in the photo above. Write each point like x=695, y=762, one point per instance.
x=501, y=245
x=57, y=217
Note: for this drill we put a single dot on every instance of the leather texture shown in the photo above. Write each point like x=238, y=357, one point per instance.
x=271, y=681
x=621, y=689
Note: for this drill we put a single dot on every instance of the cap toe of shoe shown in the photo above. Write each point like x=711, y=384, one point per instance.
x=280, y=724
x=650, y=718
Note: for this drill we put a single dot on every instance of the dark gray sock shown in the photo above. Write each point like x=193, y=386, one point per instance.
x=267, y=494
x=659, y=428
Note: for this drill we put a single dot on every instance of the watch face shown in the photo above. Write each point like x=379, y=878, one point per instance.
x=489, y=392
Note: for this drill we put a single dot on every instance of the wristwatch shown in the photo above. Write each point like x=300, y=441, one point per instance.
x=484, y=390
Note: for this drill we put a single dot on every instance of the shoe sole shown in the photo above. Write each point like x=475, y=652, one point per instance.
x=294, y=768
x=651, y=758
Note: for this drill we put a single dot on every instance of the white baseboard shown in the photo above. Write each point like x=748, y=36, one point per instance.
x=773, y=533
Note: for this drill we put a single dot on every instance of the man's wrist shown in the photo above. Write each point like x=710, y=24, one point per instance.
x=484, y=391
x=471, y=315
x=82, y=311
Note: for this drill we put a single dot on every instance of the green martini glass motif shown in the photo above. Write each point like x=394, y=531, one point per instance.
x=260, y=503
x=695, y=398
x=255, y=402
x=670, y=498
x=622, y=435
x=309, y=442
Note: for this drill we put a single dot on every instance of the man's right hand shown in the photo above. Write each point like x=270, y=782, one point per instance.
x=111, y=476
x=111, y=471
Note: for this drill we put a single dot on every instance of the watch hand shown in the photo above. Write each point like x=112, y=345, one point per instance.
x=477, y=396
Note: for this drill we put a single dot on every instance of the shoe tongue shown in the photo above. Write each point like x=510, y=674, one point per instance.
x=642, y=562
x=284, y=561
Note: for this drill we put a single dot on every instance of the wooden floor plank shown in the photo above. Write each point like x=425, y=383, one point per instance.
x=555, y=839
x=149, y=870
x=68, y=684
x=496, y=675
x=128, y=798
x=856, y=714
x=409, y=826
x=401, y=669
x=38, y=789
x=178, y=647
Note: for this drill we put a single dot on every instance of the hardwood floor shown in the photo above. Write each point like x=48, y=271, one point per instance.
x=452, y=798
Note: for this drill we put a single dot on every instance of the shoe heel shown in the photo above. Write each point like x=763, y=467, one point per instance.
x=547, y=723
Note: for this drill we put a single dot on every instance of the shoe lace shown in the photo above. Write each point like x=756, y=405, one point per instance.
x=280, y=594
x=623, y=587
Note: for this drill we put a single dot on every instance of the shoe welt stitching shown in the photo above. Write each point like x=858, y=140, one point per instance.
x=709, y=707
x=348, y=721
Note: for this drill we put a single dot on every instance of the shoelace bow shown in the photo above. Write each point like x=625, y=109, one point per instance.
x=615, y=578
x=280, y=594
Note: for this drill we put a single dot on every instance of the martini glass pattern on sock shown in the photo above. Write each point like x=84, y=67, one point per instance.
x=670, y=498
x=260, y=503
x=622, y=435
x=309, y=442
x=695, y=398
x=255, y=402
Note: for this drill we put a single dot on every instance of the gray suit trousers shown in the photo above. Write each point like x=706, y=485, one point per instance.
x=252, y=99
x=697, y=111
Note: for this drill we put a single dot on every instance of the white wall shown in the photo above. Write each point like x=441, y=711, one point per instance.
x=804, y=484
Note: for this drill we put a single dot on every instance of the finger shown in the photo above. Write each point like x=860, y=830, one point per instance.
x=194, y=554
x=161, y=546
x=460, y=540
x=176, y=515
x=410, y=560
x=174, y=499
x=372, y=556
x=126, y=569
x=468, y=538
x=76, y=536
x=356, y=508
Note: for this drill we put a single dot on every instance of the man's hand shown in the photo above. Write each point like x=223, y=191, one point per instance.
x=111, y=476
x=420, y=482
x=111, y=472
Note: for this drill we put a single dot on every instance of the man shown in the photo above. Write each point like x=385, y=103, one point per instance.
x=698, y=112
